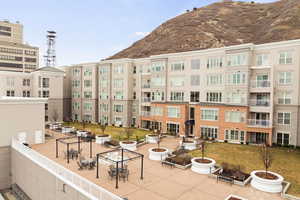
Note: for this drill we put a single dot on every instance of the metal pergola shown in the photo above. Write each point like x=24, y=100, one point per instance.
x=117, y=163
x=68, y=143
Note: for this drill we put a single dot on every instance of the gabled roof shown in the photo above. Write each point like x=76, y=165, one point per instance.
x=49, y=69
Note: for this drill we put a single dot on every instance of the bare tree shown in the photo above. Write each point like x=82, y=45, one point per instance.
x=158, y=132
x=128, y=133
x=55, y=115
x=266, y=157
x=102, y=127
x=202, y=149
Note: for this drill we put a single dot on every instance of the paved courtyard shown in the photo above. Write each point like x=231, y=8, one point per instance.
x=160, y=182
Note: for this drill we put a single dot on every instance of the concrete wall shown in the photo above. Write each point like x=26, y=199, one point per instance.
x=5, y=178
x=41, y=184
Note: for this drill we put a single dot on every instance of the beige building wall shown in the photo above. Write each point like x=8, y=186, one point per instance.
x=11, y=32
x=18, y=115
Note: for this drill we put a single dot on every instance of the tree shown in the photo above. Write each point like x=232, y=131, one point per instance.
x=266, y=157
x=55, y=115
x=158, y=132
x=202, y=145
x=128, y=133
x=102, y=127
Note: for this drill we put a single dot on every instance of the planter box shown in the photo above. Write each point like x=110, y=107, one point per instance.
x=236, y=182
x=188, y=145
x=101, y=140
x=152, y=139
x=267, y=185
x=203, y=168
x=81, y=133
x=131, y=146
x=67, y=129
x=153, y=155
x=234, y=196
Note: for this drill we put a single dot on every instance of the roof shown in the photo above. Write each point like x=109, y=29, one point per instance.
x=18, y=45
x=50, y=69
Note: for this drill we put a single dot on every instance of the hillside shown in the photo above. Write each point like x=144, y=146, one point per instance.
x=220, y=24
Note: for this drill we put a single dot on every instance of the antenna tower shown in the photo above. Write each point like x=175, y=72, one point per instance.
x=50, y=57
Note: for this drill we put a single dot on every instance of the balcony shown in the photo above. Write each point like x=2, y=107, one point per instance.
x=146, y=113
x=260, y=102
x=261, y=84
x=146, y=99
x=259, y=123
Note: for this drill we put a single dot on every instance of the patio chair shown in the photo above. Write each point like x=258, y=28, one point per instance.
x=123, y=174
x=112, y=173
x=79, y=165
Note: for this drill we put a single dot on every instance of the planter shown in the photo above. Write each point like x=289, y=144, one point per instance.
x=152, y=139
x=158, y=154
x=203, y=168
x=130, y=145
x=189, y=145
x=67, y=129
x=100, y=139
x=81, y=133
x=267, y=185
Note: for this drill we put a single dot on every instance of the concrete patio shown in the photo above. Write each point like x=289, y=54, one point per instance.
x=159, y=183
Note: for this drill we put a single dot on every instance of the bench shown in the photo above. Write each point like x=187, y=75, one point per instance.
x=225, y=179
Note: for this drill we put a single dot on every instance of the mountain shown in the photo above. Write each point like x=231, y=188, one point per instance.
x=218, y=25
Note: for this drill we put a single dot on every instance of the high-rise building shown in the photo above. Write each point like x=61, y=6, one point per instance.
x=15, y=55
x=241, y=94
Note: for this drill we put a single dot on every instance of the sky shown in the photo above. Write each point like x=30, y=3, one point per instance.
x=90, y=30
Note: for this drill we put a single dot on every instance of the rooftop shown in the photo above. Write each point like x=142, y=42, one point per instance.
x=159, y=183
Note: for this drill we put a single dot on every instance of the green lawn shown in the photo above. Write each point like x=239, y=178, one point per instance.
x=116, y=133
x=285, y=161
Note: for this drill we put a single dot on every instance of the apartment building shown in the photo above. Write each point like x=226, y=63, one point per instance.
x=241, y=94
x=46, y=82
x=15, y=55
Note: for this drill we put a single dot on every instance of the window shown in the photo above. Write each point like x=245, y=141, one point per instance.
x=283, y=138
x=284, y=118
x=235, y=135
x=173, y=112
x=118, y=108
x=75, y=83
x=26, y=82
x=87, y=83
x=45, y=82
x=118, y=69
x=104, y=107
x=157, y=81
x=10, y=93
x=234, y=116
x=177, y=66
x=285, y=58
x=285, y=78
x=177, y=81
x=214, y=97
x=209, y=132
x=157, y=67
x=76, y=72
x=236, y=60
x=195, y=80
x=26, y=93
x=262, y=60
x=46, y=106
x=134, y=95
x=156, y=111
x=45, y=94
x=134, y=69
x=214, y=79
x=10, y=82
x=87, y=94
x=75, y=105
x=103, y=82
x=195, y=97
x=236, y=97
x=103, y=95
x=75, y=94
x=173, y=128
x=103, y=70
x=209, y=114
x=177, y=96
x=195, y=64
x=118, y=95
x=236, y=78
x=87, y=106
x=285, y=97
x=214, y=63
x=157, y=96
x=118, y=83
x=87, y=72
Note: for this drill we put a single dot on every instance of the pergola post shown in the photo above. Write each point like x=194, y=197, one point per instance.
x=122, y=158
x=68, y=157
x=117, y=175
x=78, y=144
x=91, y=148
x=142, y=167
x=56, y=148
x=97, y=166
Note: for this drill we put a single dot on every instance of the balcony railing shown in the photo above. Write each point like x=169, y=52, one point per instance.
x=259, y=123
x=260, y=84
x=87, y=188
x=260, y=102
x=146, y=99
x=241, y=100
x=146, y=113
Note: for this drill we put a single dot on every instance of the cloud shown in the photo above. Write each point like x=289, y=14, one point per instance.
x=141, y=34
